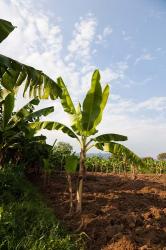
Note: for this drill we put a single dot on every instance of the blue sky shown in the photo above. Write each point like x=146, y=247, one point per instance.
x=124, y=39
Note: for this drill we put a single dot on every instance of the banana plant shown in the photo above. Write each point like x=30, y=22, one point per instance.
x=84, y=121
x=13, y=74
x=13, y=125
x=118, y=149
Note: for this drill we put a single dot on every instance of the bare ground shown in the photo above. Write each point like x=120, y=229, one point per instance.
x=118, y=213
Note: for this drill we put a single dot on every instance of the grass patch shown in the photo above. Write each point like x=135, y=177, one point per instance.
x=25, y=221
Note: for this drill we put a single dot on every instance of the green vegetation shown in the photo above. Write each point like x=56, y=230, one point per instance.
x=25, y=222
x=116, y=165
x=14, y=130
x=161, y=157
x=60, y=151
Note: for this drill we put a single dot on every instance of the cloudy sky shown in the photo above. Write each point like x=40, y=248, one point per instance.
x=124, y=39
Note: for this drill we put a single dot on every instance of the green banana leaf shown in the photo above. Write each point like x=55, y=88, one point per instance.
x=5, y=29
x=39, y=138
x=28, y=116
x=76, y=120
x=119, y=149
x=11, y=79
x=71, y=163
x=68, y=106
x=103, y=103
x=66, y=100
x=8, y=108
x=92, y=103
x=51, y=125
x=10, y=119
x=110, y=137
x=40, y=112
x=13, y=74
x=26, y=109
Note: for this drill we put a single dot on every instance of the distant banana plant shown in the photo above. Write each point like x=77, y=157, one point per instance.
x=13, y=74
x=125, y=153
x=84, y=121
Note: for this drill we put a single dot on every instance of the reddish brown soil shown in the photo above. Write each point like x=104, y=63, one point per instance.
x=118, y=213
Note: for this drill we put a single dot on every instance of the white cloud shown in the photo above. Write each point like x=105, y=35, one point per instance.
x=127, y=106
x=107, y=31
x=142, y=82
x=126, y=37
x=101, y=38
x=34, y=38
x=153, y=13
x=144, y=57
x=80, y=46
x=159, y=49
x=154, y=103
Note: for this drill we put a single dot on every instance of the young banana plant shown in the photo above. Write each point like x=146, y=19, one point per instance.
x=84, y=121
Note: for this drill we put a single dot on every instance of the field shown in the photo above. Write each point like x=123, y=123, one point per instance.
x=118, y=213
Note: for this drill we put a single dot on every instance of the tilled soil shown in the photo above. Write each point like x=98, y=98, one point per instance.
x=118, y=213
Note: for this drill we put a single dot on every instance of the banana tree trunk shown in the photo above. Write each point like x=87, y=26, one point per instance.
x=134, y=172
x=119, y=169
x=114, y=167
x=125, y=169
x=1, y=159
x=70, y=193
x=81, y=176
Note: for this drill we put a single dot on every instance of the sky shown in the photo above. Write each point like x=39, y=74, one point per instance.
x=125, y=40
